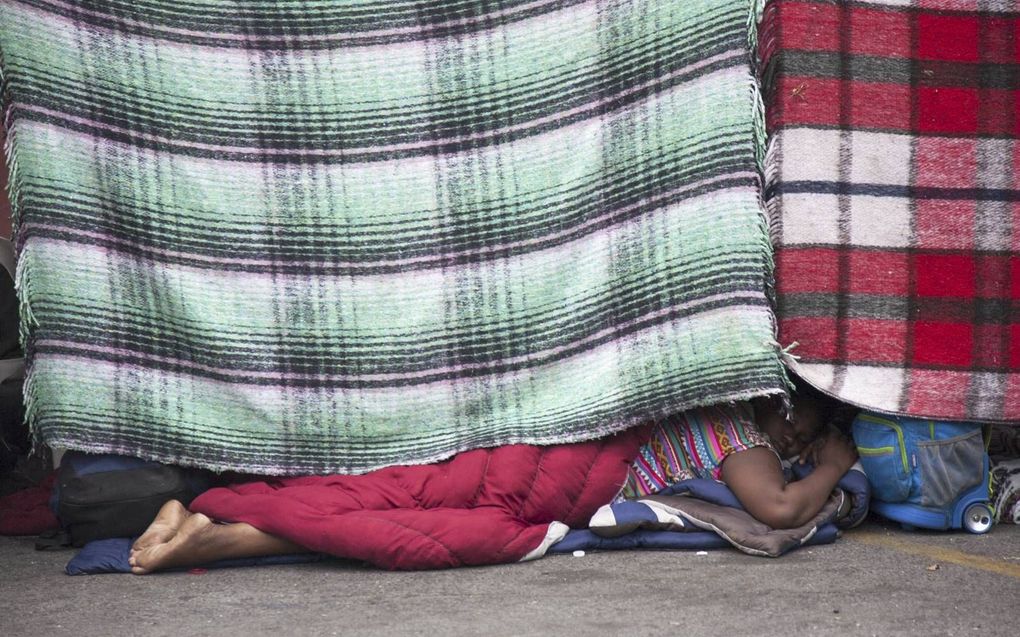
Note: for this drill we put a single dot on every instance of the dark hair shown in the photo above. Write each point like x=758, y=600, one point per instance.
x=830, y=410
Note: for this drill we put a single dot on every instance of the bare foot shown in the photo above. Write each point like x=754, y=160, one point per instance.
x=191, y=545
x=170, y=518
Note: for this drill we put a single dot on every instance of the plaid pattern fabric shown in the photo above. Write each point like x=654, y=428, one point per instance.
x=306, y=237
x=894, y=192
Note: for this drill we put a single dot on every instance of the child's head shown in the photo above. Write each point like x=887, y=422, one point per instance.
x=811, y=411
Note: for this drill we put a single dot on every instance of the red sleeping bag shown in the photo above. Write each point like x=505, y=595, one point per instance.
x=486, y=506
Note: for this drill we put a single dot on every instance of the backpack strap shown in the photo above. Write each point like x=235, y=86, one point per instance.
x=10, y=368
x=7, y=258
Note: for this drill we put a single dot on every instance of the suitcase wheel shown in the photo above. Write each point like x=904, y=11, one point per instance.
x=978, y=518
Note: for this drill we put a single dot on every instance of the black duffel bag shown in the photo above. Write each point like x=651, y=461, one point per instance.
x=14, y=439
x=100, y=496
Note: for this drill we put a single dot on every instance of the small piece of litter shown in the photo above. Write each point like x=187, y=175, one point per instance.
x=578, y=553
x=933, y=567
x=198, y=571
x=702, y=553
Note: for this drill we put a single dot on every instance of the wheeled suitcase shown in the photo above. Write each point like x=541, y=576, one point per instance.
x=926, y=473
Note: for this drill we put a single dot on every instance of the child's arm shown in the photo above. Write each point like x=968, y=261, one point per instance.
x=755, y=476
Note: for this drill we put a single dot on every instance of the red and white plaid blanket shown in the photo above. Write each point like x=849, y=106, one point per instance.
x=894, y=188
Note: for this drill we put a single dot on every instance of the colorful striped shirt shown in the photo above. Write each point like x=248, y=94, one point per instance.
x=692, y=444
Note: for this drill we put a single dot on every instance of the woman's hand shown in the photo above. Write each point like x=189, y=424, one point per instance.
x=831, y=448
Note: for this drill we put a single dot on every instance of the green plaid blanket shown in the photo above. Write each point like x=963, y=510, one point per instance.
x=306, y=236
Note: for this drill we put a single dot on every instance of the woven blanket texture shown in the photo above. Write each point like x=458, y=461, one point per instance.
x=893, y=183
x=305, y=237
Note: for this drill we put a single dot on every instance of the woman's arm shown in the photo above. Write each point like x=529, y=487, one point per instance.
x=755, y=476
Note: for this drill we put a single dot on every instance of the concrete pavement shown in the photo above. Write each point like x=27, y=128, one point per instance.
x=876, y=580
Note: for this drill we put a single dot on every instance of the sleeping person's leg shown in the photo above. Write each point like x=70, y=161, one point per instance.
x=199, y=540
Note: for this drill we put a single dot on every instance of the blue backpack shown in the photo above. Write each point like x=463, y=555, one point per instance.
x=926, y=473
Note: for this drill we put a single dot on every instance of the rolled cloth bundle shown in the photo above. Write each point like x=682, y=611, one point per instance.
x=303, y=237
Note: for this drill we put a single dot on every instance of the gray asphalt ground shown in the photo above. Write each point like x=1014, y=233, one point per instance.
x=876, y=580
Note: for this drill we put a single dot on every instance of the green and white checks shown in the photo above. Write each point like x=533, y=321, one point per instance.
x=307, y=236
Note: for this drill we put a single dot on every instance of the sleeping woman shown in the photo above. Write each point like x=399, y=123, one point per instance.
x=743, y=445
x=740, y=444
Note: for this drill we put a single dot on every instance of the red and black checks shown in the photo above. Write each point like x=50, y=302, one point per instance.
x=895, y=190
